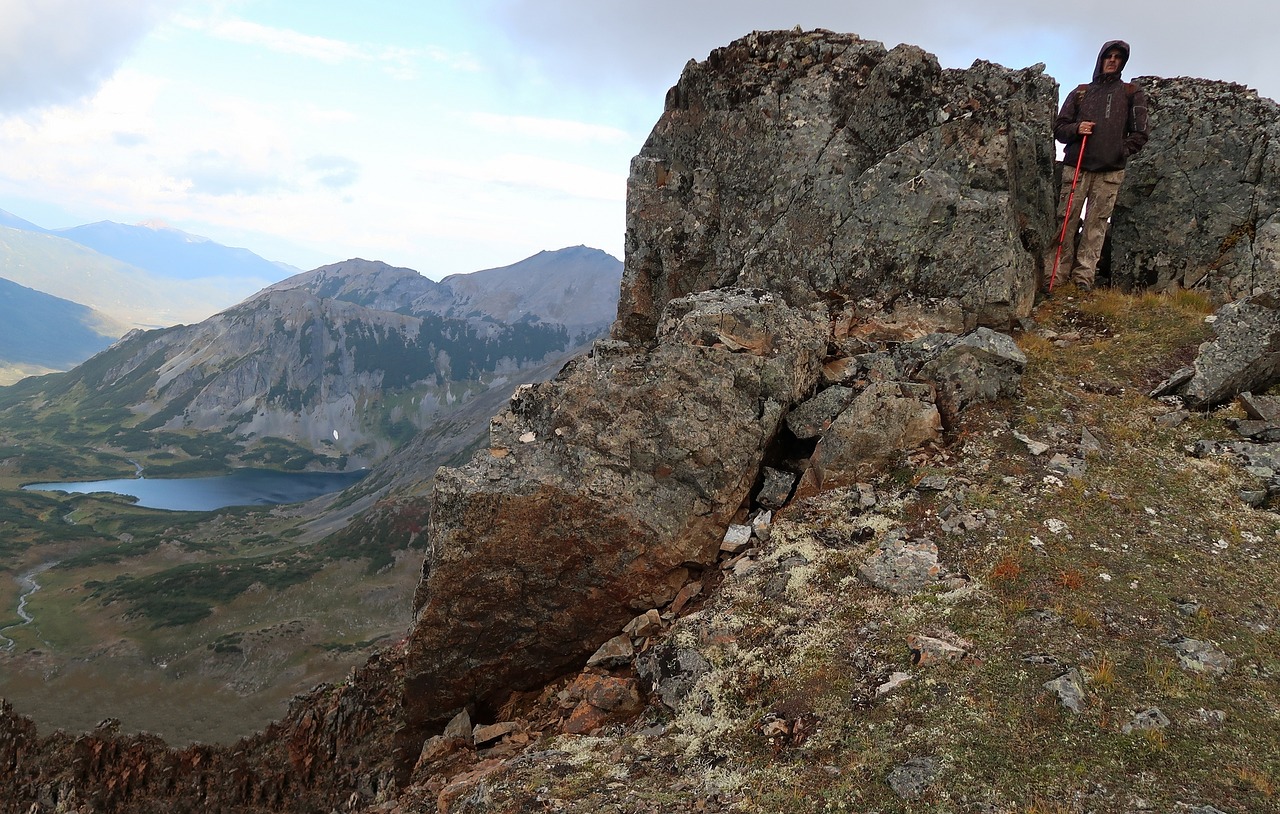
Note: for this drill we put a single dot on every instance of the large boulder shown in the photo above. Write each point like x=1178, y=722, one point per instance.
x=599, y=493
x=883, y=422
x=1243, y=357
x=830, y=170
x=1200, y=205
x=794, y=181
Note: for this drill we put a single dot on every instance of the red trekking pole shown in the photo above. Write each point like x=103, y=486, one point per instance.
x=1065, y=218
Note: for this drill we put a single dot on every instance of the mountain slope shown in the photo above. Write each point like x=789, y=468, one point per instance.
x=335, y=363
x=129, y=295
x=38, y=329
x=348, y=383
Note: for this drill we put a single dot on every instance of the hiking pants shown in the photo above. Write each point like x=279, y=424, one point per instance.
x=1082, y=247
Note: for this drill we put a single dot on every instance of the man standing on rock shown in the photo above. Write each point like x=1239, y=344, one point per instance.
x=1109, y=117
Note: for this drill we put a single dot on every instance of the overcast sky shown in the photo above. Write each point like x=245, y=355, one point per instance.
x=455, y=136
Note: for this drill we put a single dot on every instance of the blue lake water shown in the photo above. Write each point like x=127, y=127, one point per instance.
x=243, y=487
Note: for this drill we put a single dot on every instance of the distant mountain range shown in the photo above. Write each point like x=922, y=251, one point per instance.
x=574, y=287
x=125, y=277
x=65, y=333
x=173, y=253
x=342, y=365
x=15, y=222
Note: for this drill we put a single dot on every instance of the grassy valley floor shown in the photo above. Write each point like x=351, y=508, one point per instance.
x=194, y=626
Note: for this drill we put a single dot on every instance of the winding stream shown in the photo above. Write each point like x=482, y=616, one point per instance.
x=29, y=587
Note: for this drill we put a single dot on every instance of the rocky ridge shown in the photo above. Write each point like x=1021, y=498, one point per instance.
x=908, y=539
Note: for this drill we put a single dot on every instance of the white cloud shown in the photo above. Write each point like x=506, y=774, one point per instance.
x=56, y=51
x=400, y=63
x=530, y=172
x=285, y=41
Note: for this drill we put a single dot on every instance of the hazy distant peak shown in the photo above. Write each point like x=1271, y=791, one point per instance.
x=14, y=222
x=157, y=225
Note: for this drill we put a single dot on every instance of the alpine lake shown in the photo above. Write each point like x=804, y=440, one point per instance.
x=243, y=487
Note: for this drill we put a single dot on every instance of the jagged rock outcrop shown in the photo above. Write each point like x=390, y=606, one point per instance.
x=864, y=195
x=830, y=170
x=1200, y=205
x=331, y=752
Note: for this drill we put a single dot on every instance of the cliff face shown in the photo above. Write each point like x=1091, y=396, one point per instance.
x=802, y=198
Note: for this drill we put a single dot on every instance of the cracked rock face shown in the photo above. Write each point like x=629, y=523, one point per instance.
x=1200, y=205
x=828, y=169
x=598, y=494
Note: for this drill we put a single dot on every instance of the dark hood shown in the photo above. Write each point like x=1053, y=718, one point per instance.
x=1124, y=59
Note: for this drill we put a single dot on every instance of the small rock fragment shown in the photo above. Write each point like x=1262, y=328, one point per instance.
x=617, y=652
x=1036, y=448
x=1067, y=466
x=776, y=489
x=645, y=625
x=902, y=566
x=1148, y=719
x=1069, y=687
x=737, y=539
x=910, y=779
x=459, y=727
x=895, y=681
x=1201, y=657
x=928, y=651
x=487, y=733
x=1173, y=419
x=684, y=597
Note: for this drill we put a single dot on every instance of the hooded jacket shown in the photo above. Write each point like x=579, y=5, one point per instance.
x=1118, y=110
